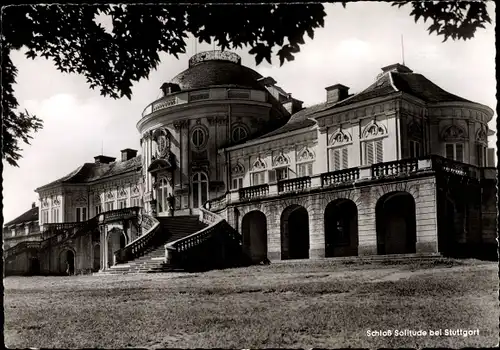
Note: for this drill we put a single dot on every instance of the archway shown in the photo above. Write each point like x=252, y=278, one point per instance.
x=67, y=262
x=294, y=233
x=97, y=257
x=116, y=241
x=254, y=228
x=34, y=264
x=341, y=228
x=396, y=223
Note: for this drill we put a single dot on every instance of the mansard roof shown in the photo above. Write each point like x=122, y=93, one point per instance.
x=400, y=78
x=30, y=215
x=90, y=172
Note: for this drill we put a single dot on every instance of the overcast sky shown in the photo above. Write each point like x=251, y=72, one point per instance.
x=351, y=48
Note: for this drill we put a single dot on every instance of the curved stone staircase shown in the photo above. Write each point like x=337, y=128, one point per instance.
x=153, y=259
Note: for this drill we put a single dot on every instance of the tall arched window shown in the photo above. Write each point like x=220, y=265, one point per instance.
x=200, y=189
x=162, y=195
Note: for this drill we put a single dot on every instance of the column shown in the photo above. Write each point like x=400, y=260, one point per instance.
x=316, y=229
x=321, y=163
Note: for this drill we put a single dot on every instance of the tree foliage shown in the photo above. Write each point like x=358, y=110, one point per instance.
x=113, y=60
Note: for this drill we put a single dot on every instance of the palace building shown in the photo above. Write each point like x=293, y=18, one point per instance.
x=234, y=170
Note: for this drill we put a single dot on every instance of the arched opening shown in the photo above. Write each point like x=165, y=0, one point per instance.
x=254, y=228
x=116, y=241
x=200, y=189
x=34, y=265
x=67, y=262
x=294, y=233
x=97, y=257
x=396, y=223
x=341, y=228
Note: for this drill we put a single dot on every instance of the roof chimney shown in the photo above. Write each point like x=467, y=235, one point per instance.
x=128, y=153
x=267, y=81
x=397, y=67
x=336, y=93
x=33, y=205
x=104, y=159
x=292, y=105
x=169, y=88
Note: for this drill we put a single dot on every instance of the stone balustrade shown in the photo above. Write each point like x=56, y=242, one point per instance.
x=294, y=185
x=340, y=176
x=137, y=247
x=401, y=168
x=397, y=168
x=254, y=192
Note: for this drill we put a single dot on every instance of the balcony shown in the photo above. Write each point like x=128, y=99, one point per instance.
x=294, y=185
x=389, y=170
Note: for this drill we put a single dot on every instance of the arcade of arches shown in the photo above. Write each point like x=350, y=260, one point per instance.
x=394, y=229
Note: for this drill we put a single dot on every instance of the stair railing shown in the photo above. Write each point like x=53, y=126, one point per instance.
x=137, y=247
x=180, y=251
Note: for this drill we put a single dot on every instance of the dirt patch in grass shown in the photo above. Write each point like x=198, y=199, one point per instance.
x=302, y=305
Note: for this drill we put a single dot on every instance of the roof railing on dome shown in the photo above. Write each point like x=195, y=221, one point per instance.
x=214, y=55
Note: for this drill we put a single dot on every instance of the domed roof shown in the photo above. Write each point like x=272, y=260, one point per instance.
x=217, y=68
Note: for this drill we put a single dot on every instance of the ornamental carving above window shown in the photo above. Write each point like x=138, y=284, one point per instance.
x=135, y=190
x=162, y=139
x=305, y=155
x=481, y=135
x=45, y=203
x=415, y=129
x=238, y=168
x=374, y=130
x=109, y=195
x=454, y=132
x=258, y=165
x=122, y=192
x=56, y=202
x=280, y=160
x=339, y=137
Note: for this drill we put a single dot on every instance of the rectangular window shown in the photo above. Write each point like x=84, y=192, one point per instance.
x=27, y=229
x=45, y=216
x=98, y=209
x=281, y=174
x=455, y=151
x=414, y=149
x=81, y=214
x=304, y=169
x=136, y=201
x=55, y=215
x=480, y=155
x=109, y=206
x=122, y=204
x=339, y=158
x=13, y=232
x=259, y=178
x=373, y=152
x=237, y=183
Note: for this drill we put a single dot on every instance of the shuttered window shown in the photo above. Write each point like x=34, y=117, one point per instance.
x=373, y=152
x=339, y=158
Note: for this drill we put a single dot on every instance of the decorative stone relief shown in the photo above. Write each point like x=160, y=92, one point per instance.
x=238, y=169
x=305, y=155
x=339, y=137
x=109, y=195
x=259, y=164
x=481, y=135
x=374, y=129
x=56, y=202
x=122, y=192
x=280, y=160
x=454, y=132
x=178, y=125
x=415, y=129
x=45, y=203
x=135, y=190
x=162, y=139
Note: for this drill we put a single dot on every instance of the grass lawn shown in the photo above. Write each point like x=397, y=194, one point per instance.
x=300, y=305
